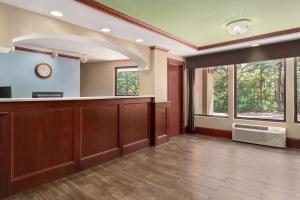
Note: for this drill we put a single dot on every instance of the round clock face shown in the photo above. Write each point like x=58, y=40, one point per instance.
x=43, y=70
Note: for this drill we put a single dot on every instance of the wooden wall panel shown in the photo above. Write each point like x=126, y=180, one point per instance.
x=4, y=151
x=135, y=126
x=161, y=122
x=213, y=132
x=43, y=141
x=42, y=146
x=99, y=134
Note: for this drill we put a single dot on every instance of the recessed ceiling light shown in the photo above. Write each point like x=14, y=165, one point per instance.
x=255, y=45
x=105, y=30
x=56, y=13
x=139, y=40
x=238, y=27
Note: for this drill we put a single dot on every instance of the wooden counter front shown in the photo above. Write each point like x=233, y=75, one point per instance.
x=45, y=140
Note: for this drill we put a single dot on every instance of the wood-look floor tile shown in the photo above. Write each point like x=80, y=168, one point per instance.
x=189, y=167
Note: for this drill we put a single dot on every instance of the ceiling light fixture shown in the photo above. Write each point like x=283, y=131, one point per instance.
x=56, y=13
x=83, y=59
x=139, y=40
x=255, y=45
x=105, y=30
x=54, y=54
x=238, y=27
x=12, y=50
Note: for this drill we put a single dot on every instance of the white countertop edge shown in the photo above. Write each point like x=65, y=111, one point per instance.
x=72, y=98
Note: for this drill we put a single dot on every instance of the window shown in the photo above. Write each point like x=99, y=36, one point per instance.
x=297, y=95
x=211, y=91
x=126, y=81
x=260, y=90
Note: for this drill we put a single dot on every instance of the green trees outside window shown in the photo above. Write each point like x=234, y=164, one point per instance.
x=127, y=81
x=211, y=91
x=220, y=89
x=260, y=90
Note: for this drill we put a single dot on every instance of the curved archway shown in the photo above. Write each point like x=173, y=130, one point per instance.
x=141, y=63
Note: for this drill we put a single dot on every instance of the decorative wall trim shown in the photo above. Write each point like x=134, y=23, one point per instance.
x=115, y=13
x=161, y=126
x=136, y=146
x=293, y=143
x=45, y=52
x=213, y=132
x=172, y=61
x=159, y=48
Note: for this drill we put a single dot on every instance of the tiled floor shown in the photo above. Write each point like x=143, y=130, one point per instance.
x=188, y=167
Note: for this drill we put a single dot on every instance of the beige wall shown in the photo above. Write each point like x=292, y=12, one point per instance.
x=160, y=68
x=4, y=36
x=293, y=129
x=97, y=79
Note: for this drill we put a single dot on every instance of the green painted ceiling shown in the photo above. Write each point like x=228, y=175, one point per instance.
x=201, y=21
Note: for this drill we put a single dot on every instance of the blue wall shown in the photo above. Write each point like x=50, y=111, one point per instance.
x=17, y=70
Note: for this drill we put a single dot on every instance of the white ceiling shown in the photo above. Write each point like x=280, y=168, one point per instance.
x=78, y=14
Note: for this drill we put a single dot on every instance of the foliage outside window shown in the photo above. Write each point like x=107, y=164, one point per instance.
x=127, y=81
x=211, y=91
x=298, y=89
x=260, y=90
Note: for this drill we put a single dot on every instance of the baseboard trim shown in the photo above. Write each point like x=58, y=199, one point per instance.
x=293, y=143
x=214, y=132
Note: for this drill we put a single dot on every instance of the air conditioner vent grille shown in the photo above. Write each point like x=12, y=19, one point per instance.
x=249, y=136
x=263, y=128
x=270, y=136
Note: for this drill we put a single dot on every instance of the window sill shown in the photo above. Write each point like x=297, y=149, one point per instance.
x=127, y=95
x=211, y=116
x=258, y=119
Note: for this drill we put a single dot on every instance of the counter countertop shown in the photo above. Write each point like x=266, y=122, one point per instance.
x=71, y=98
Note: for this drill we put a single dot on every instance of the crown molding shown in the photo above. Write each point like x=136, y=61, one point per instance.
x=45, y=52
x=115, y=13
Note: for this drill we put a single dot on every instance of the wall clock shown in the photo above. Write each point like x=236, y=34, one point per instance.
x=43, y=70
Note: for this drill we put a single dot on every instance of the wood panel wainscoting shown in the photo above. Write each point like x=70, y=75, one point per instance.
x=41, y=141
x=161, y=122
x=290, y=142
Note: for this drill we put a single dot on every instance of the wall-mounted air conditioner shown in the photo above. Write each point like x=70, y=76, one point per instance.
x=264, y=135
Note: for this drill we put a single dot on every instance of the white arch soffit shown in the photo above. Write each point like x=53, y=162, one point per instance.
x=142, y=65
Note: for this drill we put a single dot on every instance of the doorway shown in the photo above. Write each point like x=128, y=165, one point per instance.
x=175, y=96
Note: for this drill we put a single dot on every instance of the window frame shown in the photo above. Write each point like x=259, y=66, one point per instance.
x=212, y=116
x=295, y=92
x=257, y=119
x=218, y=116
x=116, y=79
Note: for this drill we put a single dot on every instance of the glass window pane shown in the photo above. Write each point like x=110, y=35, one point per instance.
x=260, y=90
x=211, y=91
x=127, y=81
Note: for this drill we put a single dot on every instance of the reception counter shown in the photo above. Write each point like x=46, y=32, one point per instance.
x=45, y=139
